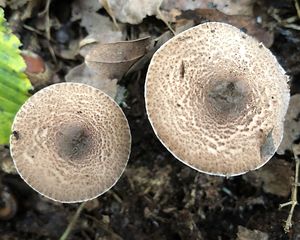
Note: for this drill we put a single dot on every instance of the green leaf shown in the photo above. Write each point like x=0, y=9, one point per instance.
x=14, y=84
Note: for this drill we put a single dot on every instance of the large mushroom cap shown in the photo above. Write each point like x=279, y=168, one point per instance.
x=216, y=98
x=70, y=142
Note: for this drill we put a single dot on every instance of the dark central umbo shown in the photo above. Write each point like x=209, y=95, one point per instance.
x=73, y=141
x=227, y=97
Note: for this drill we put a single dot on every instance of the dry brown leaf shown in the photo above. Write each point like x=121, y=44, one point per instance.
x=82, y=8
x=114, y=59
x=100, y=29
x=133, y=11
x=105, y=64
x=185, y=4
x=155, y=44
x=243, y=22
x=86, y=45
x=230, y=7
x=274, y=177
x=152, y=48
x=118, y=52
x=110, y=70
x=83, y=74
x=247, y=234
x=291, y=125
x=96, y=25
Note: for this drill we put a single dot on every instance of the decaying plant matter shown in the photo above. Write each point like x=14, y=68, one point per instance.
x=157, y=197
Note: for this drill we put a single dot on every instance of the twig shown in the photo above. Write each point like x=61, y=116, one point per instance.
x=29, y=28
x=294, y=201
x=159, y=14
x=297, y=6
x=288, y=22
x=107, y=8
x=116, y=197
x=45, y=13
x=38, y=32
x=292, y=26
x=72, y=223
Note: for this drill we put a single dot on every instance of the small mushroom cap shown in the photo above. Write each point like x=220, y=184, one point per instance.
x=216, y=98
x=70, y=142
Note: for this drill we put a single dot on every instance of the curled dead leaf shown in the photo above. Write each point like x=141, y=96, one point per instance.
x=156, y=43
x=110, y=70
x=118, y=52
x=106, y=63
x=114, y=59
x=83, y=74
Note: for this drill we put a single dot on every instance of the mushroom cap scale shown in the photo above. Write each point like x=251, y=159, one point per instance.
x=216, y=98
x=73, y=142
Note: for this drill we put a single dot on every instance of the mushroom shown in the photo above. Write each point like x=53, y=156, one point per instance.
x=216, y=99
x=70, y=142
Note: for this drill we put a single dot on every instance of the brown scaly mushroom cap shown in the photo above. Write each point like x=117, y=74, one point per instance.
x=70, y=142
x=216, y=98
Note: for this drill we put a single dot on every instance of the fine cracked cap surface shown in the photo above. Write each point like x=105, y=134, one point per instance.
x=216, y=98
x=70, y=142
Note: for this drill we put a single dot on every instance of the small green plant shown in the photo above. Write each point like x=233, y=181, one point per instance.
x=14, y=84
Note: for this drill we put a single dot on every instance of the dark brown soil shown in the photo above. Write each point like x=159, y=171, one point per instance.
x=158, y=197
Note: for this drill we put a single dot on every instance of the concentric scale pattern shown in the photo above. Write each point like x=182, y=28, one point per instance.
x=216, y=98
x=70, y=142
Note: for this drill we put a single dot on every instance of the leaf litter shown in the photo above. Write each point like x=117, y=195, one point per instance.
x=157, y=197
x=106, y=63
